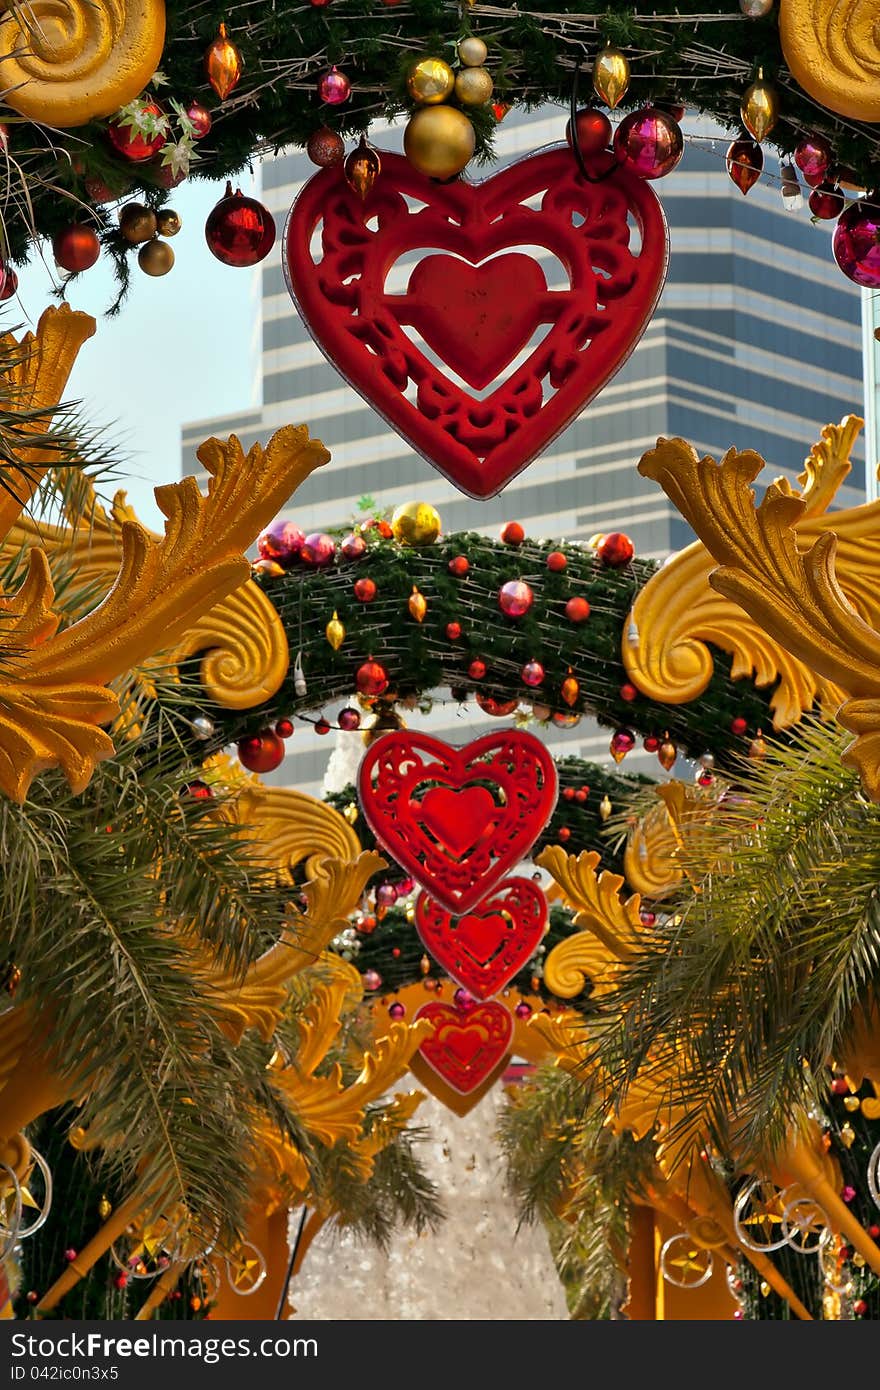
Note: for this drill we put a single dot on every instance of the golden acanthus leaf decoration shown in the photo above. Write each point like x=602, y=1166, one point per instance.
x=649, y=858
x=793, y=594
x=832, y=48
x=608, y=927
x=677, y=613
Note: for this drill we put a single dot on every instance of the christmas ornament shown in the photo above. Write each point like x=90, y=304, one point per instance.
x=813, y=157
x=364, y=590
x=755, y=9
x=759, y=108
x=223, y=64
x=334, y=87
x=335, y=632
x=856, y=244
x=615, y=550
x=570, y=689
x=651, y=743
x=594, y=131
x=322, y=726
x=372, y=979
x=512, y=533
x=745, y=160
x=134, y=141
x=282, y=541
x=268, y=567
x=200, y=790
x=477, y=669
x=317, y=549
x=453, y=631
x=623, y=741
x=76, y=248
x=203, y=727
x=104, y=1208
x=515, y=598
x=371, y=678
x=477, y=314
x=430, y=81
x=348, y=719
x=416, y=523
x=466, y=1049
x=325, y=148
x=611, y=75
x=563, y=833
x=10, y=284
x=457, y=819
x=439, y=141
x=239, y=230
x=284, y=728
x=137, y=223
x=826, y=201
x=156, y=257
x=199, y=118
x=605, y=808
x=577, y=610
x=667, y=754
x=472, y=52
x=738, y=726
x=628, y=692
x=565, y=719
x=261, y=752
x=168, y=222
x=556, y=562
x=792, y=198
x=523, y=1010
x=499, y=709
x=362, y=168
x=757, y=747
x=500, y=110
x=649, y=143
x=459, y=566
x=473, y=86
x=483, y=949
x=396, y=1011
x=417, y=605
x=532, y=673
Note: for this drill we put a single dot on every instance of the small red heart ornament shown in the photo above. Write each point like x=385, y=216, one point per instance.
x=466, y=1045
x=424, y=344
x=458, y=820
x=484, y=948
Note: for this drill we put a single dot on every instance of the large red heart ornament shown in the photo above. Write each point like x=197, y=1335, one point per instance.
x=533, y=295
x=484, y=948
x=457, y=819
x=466, y=1045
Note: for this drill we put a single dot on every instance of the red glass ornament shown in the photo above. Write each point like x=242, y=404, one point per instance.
x=269, y=567
x=261, y=752
x=372, y=679
x=372, y=980
x=364, y=590
x=512, y=533
x=477, y=670
x=647, y=917
x=353, y=547
x=200, y=790
x=164, y=175
x=10, y=283
x=483, y=949
x=577, y=610
x=706, y=778
x=319, y=4
x=457, y=819
x=348, y=719
x=651, y=743
x=334, y=87
x=570, y=689
x=556, y=562
x=856, y=244
x=75, y=248
x=623, y=741
x=673, y=108
x=629, y=693
x=459, y=566
x=120, y=1280
x=563, y=833
x=453, y=631
x=318, y=549
x=322, y=726
x=813, y=157
x=239, y=230
x=200, y=119
x=568, y=793
x=284, y=728
x=466, y=1049
x=128, y=141
x=593, y=131
x=532, y=673
x=860, y=1307
x=499, y=709
x=565, y=719
x=839, y=1086
x=738, y=726
x=499, y=108
x=101, y=192
x=282, y=541
x=479, y=443
x=581, y=794
x=745, y=161
x=615, y=550
x=649, y=143
x=223, y=64
x=827, y=201
x=515, y=598
x=325, y=148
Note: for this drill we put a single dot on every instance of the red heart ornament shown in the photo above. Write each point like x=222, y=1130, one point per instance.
x=484, y=948
x=463, y=318
x=466, y=1045
x=457, y=819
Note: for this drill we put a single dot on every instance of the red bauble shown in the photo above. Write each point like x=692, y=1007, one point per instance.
x=334, y=87
x=284, y=728
x=348, y=719
x=200, y=790
x=75, y=248
x=745, y=160
x=629, y=693
x=353, y=547
x=856, y=244
x=532, y=673
x=499, y=709
x=581, y=794
x=515, y=598
x=556, y=562
x=318, y=549
x=10, y=283
x=563, y=833
x=593, y=131
x=485, y=948
x=322, y=726
x=827, y=200
x=615, y=550
x=453, y=631
x=813, y=157
x=239, y=230
x=459, y=566
x=577, y=610
x=738, y=726
x=281, y=541
x=839, y=1086
x=200, y=118
x=651, y=743
x=164, y=175
x=261, y=752
x=325, y=148
x=364, y=590
x=512, y=533
x=477, y=670
x=127, y=140
x=623, y=741
x=372, y=679
x=649, y=143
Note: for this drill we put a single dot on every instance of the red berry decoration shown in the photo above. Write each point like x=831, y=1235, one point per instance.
x=556, y=562
x=477, y=669
x=348, y=719
x=532, y=673
x=593, y=131
x=284, y=728
x=813, y=157
x=459, y=566
x=649, y=143
x=318, y=549
x=563, y=833
x=10, y=284
x=629, y=693
x=568, y=793
x=76, y=248
x=239, y=230
x=523, y=1010
x=512, y=533
x=577, y=610
x=856, y=244
x=364, y=590
x=322, y=726
x=371, y=678
x=453, y=631
x=581, y=794
x=281, y=541
x=261, y=752
x=615, y=550
x=199, y=118
x=827, y=201
x=515, y=598
x=738, y=726
x=353, y=547
x=128, y=141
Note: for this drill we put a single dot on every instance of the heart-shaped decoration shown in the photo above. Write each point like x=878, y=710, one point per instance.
x=467, y=1045
x=484, y=948
x=473, y=308
x=457, y=819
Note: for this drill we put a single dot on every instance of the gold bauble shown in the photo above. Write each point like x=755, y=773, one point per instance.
x=168, y=222
x=473, y=52
x=611, y=75
x=417, y=605
x=473, y=86
x=104, y=1208
x=137, y=223
x=156, y=258
x=760, y=108
x=430, y=81
x=416, y=523
x=439, y=141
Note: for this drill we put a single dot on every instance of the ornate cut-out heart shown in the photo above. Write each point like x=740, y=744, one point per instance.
x=477, y=307
x=484, y=948
x=466, y=1045
x=457, y=819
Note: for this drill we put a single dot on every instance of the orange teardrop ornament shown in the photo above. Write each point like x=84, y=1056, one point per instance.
x=362, y=168
x=417, y=605
x=223, y=64
x=570, y=689
x=667, y=754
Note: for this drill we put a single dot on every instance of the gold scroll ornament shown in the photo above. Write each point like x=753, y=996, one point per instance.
x=833, y=49
x=67, y=62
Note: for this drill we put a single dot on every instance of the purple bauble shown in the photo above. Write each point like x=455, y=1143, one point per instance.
x=523, y=1010
x=281, y=541
x=348, y=719
x=532, y=673
x=857, y=244
x=397, y=1011
x=334, y=87
x=649, y=143
x=463, y=1000
x=318, y=549
x=353, y=547
x=812, y=157
x=515, y=598
x=386, y=895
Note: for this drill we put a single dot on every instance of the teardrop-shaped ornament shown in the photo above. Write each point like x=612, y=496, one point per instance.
x=335, y=632
x=417, y=605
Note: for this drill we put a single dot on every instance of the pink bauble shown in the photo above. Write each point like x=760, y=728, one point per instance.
x=334, y=87
x=813, y=157
x=827, y=201
x=372, y=979
x=348, y=719
x=532, y=673
x=523, y=1010
x=515, y=598
x=353, y=547
x=857, y=244
x=281, y=541
x=397, y=1011
x=318, y=549
x=649, y=143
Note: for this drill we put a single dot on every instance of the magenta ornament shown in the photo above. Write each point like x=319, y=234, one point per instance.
x=515, y=598
x=532, y=673
x=372, y=979
x=523, y=1010
x=334, y=87
x=397, y=1011
x=353, y=546
x=281, y=541
x=348, y=719
x=813, y=157
x=318, y=549
x=827, y=201
x=649, y=143
x=856, y=244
